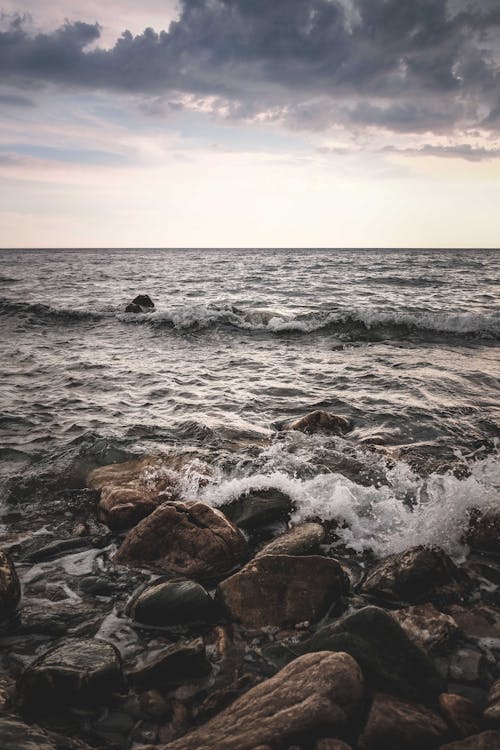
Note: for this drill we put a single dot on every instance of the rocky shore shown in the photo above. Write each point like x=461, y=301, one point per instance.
x=228, y=628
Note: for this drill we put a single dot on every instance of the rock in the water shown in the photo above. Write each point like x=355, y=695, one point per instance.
x=141, y=303
x=321, y=690
x=10, y=588
x=78, y=672
x=430, y=629
x=174, y=602
x=303, y=539
x=16, y=735
x=395, y=723
x=389, y=660
x=461, y=714
x=258, y=508
x=174, y=665
x=483, y=741
x=189, y=539
x=320, y=421
x=492, y=711
x=420, y=574
x=282, y=590
x=484, y=531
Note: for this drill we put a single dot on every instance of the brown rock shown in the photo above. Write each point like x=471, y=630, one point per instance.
x=190, y=539
x=430, y=629
x=461, y=714
x=483, y=741
x=492, y=711
x=394, y=723
x=322, y=689
x=477, y=621
x=303, y=539
x=484, y=531
x=420, y=574
x=320, y=421
x=10, y=588
x=282, y=590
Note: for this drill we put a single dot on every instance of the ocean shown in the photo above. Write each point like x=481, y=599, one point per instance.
x=404, y=343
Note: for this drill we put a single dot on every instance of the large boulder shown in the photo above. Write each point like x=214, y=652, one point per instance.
x=390, y=661
x=257, y=508
x=16, y=735
x=304, y=539
x=420, y=574
x=189, y=539
x=394, y=724
x=430, y=629
x=484, y=741
x=10, y=588
x=174, y=602
x=140, y=304
x=75, y=673
x=321, y=691
x=282, y=590
x=320, y=421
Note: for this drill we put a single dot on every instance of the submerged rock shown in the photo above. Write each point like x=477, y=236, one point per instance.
x=175, y=665
x=189, y=539
x=177, y=602
x=304, y=539
x=320, y=421
x=282, y=590
x=420, y=574
x=483, y=741
x=396, y=723
x=16, y=735
x=140, y=304
x=258, y=508
x=430, y=629
x=322, y=690
x=10, y=588
x=75, y=673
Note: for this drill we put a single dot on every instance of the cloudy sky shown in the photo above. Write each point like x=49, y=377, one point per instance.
x=250, y=123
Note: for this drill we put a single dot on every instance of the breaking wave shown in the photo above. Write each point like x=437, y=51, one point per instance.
x=39, y=311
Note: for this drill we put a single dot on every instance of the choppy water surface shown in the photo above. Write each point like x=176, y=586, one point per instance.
x=405, y=343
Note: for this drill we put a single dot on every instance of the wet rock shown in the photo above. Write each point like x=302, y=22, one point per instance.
x=395, y=723
x=303, y=539
x=492, y=710
x=174, y=665
x=484, y=531
x=16, y=735
x=462, y=715
x=420, y=574
x=189, y=539
x=331, y=744
x=10, y=588
x=477, y=621
x=317, y=690
x=483, y=741
x=282, y=590
x=430, y=629
x=77, y=672
x=140, y=304
x=62, y=547
x=258, y=508
x=468, y=665
x=175, y=602
x=389, y=660
x=7, y=692
x=320, y=421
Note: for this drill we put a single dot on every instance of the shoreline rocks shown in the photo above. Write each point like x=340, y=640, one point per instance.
x=10, y=587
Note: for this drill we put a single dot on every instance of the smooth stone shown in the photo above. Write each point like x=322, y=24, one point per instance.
x=169, y=603
x=484, y=531
x=462, y=715
x=320, y=421
x=304, y=539
x=390, y=661
x=317, y=690
x=175, y=665
x=485, y=741
x=282, y=590
x=10, y=588
x=16, y=735
x=189, y=539
x=396, y=723
x=492, y=711
x=430, y=629
x=420, y=574
x=77, y=672
x=258, y=508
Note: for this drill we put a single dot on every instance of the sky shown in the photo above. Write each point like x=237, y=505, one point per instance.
x=250, y=123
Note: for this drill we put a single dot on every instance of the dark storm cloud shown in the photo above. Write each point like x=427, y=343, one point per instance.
x=402, y=65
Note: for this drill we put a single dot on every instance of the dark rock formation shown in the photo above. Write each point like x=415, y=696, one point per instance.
x=16, y=735
x=175, y=602
x=189, y=539
x=304, y=539
x=484, y=531
x=10, y=588
x=462, y=715
x=258, y=508
x=174, y=665
x=282, y=590
x=140, y=304
x=483, y=741
x=320, y=421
